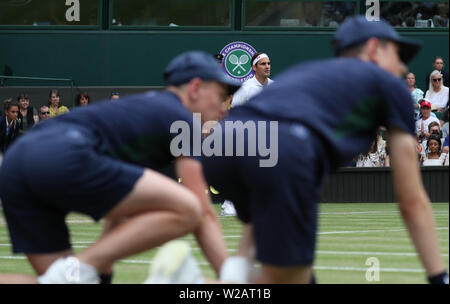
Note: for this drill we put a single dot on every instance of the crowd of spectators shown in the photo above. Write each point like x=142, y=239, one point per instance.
x=430, y=114
x=19, y=115
x=431, y=117
x=415, y=14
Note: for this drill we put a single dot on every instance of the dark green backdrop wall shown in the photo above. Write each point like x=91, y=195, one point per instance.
x=137, y=58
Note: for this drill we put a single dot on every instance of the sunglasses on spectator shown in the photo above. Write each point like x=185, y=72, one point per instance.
x=45, y=113
x=437, y=79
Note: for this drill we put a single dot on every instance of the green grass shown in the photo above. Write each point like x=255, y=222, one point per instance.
x=349, y=234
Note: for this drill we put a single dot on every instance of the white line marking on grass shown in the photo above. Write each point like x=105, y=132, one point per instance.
x=356, y=212
x=339, y=268
x=371, y=212
x=332, y=232
x=79, y=221
x=370, y=231
x=326, y=252
x=9, y=257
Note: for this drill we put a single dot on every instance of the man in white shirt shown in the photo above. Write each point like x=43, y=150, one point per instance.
x=425, y=120
x=252, y=86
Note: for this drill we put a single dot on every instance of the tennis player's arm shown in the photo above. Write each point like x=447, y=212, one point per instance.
x=209, y=233
x=414, y=203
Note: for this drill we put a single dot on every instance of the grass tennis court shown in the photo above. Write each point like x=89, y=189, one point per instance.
x=349, y=234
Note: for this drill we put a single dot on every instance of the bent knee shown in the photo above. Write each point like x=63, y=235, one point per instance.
x=191, y=210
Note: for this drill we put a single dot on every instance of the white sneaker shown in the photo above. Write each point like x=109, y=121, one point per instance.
x=228, y=209
x=69, y=271
x=174, y=264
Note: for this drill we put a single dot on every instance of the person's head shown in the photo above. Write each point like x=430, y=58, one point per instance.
x=434, y=144
x=261, y=65
x=44, y=113
x=438, y=63
x=425, y=108
x=82, y=99
x=374, y=41
x=11, y=109
x=434, y=128
x=199, y=82
x=436, y=81
x=115, y=94
x=54, y=98
x=24, y=101
x=411, y=80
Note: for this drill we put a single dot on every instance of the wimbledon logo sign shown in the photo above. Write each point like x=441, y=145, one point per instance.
x=236, y=60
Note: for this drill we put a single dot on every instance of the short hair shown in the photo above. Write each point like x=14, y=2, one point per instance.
x=115, y=92
x=254, y=57
x=8, y=103
x=406, y=76
x=82, y=95
x=438, y=57
x=432, y=124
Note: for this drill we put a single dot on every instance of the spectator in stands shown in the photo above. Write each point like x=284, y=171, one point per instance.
x=416, y=93
x=433, y=129
x=433, y=155
x=376, y=156
x=438, y=64
x=55, y=105
x=445, y=148
x=441, y=17
x=425, y=120
x=444, y=123
x=28, y=115
x=9, y=125
x=82, y=99
x=437, y=93
x=115, y=94
x=44, y=113
x=251, y=87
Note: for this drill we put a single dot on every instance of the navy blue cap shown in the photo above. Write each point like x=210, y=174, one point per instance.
x=192, y=64
x=356, y=30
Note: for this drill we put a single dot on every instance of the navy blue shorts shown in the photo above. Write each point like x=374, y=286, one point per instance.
x=280, y=201
x=53, y=171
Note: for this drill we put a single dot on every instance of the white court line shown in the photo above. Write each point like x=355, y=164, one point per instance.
x=371, y=212
x=359, y=212
x=324, y=252
x=338, y=268
x=402, y=254
x=338, y=232
x=79, y=221
x=370, y=231
x=85, y=221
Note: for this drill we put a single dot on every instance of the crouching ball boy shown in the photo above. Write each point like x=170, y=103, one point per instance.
x=319, y=130
x=102, y=161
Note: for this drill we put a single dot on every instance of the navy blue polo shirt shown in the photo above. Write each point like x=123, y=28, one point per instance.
x=343, y=100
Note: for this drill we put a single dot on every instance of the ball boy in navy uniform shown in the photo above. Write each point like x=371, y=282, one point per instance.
x=327, y=112
x=102, y=161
